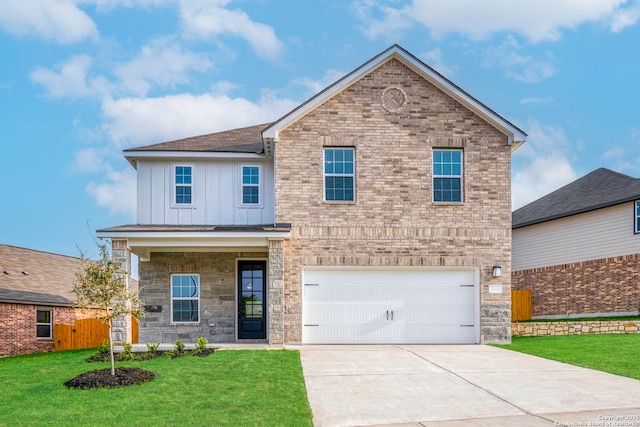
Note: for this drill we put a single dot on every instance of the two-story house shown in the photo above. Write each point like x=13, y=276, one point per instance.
x=577, y=249
x=378, y=211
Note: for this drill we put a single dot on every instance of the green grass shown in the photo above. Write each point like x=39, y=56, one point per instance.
x=613, y=353
x=227, y=388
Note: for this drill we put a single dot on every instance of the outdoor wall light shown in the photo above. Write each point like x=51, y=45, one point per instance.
x=497, y=271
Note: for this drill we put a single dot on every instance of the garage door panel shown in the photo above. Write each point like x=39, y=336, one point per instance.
x=390, y=306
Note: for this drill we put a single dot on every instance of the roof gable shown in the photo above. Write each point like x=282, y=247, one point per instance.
x=599, y=189
x=514, y=134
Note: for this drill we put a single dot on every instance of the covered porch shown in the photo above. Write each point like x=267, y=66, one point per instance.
x=223, y=283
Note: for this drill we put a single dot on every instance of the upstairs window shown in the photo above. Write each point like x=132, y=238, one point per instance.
x=447, y=175
x=250, y=185
x=183, y=183
x=637, y=217
x=339, y=174
x=43, y=323
x=185, y=298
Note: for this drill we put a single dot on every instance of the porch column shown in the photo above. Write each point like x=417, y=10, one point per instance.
x=121, y=254
x=275, y=292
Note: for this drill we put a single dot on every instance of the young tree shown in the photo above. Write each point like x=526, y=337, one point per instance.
x=101, y=287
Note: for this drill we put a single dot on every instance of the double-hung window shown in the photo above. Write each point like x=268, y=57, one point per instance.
x=447, y=175
x=183, y=185
x=185, y=298
x=44, y=323
x=637, y=216
x=250, y=185
x=339, y=174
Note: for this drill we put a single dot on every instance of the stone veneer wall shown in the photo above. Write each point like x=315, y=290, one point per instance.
x=394, y=222
x=218, y=283
x=601, y=286
x=537, y=329
x=18, y=328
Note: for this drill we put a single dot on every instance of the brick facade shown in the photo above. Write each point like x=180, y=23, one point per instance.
x=610, y=285
x=393, y=221
x=18, y=328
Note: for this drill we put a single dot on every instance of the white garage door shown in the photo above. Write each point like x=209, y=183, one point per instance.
x=390, y=306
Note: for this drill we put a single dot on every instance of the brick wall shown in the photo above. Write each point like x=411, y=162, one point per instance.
x=18, y=328
x=394, y=221
x=601, y=286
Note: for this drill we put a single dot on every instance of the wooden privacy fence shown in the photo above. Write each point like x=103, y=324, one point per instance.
x=520, y=305
x=84, y=333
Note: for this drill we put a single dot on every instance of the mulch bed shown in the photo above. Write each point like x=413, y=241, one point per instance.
x=102, y=378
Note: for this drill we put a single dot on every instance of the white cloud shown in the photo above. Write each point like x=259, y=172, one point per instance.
x=70, y=80
x=537, y=20
x=524, y=68
x=381, y=21
x=56, y=21
x=161, y=63
x=90, y=160
x=136, y=121
x=536, y=100
x=541, y=165
x=315, y=86
x=624, y=18
x=208, y=18
x=434, y=59
x=625, y=158
x=118, y=193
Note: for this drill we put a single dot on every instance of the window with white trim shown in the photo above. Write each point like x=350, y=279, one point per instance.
x=183, y=179
x=44, y=323
x=447, y=175
x=250, y=185
x=185, y=298
x=339, y=174
x=637, y=217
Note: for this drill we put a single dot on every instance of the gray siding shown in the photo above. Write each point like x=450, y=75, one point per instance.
x=599, y=234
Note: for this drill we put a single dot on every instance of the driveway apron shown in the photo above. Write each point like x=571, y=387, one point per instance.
x=459, y=385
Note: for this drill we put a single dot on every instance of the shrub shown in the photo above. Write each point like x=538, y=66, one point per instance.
x=201, y=345
x=104, y=346
x=127, y=354
x=152, y=347
x=178, y=351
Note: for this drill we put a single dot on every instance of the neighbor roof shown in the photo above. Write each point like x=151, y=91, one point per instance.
x=599, y=189
x=33, y=277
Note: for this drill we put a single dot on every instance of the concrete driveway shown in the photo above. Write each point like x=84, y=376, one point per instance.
x=466, y=385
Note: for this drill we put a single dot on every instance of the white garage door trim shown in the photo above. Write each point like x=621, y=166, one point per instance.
x=391, y=306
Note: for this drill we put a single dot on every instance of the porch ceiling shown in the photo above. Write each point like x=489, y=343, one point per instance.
x=145, y=239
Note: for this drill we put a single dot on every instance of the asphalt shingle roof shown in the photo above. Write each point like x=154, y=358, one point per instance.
x=31, y=276
x=599, y=189
x=243, y=140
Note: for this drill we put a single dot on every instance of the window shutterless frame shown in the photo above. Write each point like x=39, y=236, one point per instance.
x=339, y=174
x=44, y=323
x=185, y=298
x=182, y=185
x=251, y=185
x=637, y=217
x=448, y=175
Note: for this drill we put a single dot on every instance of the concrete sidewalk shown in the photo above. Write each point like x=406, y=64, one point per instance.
x=466, y=385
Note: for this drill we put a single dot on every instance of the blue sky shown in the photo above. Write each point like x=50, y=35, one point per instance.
x=81, y=80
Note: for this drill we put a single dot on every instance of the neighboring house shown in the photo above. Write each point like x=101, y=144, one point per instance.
x=375, y=212
x=578, y=249
x=35, y=291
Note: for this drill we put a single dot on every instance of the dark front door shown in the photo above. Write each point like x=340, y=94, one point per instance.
x=251, y=300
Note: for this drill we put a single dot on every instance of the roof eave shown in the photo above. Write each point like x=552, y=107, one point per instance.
x=516, y=136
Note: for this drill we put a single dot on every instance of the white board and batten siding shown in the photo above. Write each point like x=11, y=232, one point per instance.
x=603, y=233
x=390, y=306
x=216, y=193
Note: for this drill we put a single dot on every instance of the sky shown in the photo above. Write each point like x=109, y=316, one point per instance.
x=81, y=80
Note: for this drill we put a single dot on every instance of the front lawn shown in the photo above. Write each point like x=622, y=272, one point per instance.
x=613, y=353
x=227, y=388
